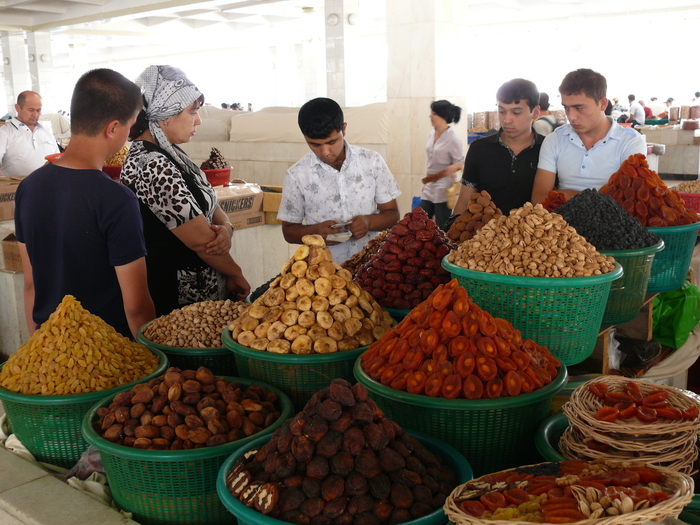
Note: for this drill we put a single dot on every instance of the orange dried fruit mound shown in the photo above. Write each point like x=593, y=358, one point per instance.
x=554, y=200
x=642, y=193
x=449, y=347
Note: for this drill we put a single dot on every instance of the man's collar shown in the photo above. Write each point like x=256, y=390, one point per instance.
x=348, y=155
x=537, y=139
x=17, y=123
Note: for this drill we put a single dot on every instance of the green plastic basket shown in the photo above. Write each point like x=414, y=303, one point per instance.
x=670, y=267
x=248, y=516
x=167, y=487
x=548, y=434
x=49, y=426
x=298, y=376
x=627, y=294
x=692, y=508
x=397, y=313
x=493, y=434
x=218, y=360
x=563, y=313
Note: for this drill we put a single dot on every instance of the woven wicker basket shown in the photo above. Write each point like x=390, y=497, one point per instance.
x=680, y=486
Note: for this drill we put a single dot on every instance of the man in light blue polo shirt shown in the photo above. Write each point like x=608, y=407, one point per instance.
x=587, y=151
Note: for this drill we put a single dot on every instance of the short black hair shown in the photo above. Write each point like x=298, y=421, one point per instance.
x=519, y=89
x=447, y=110
x=99, y=97
x=544, y=101
x=320, y=117
x=586, y=82
x=697, y=94
x=631, y=97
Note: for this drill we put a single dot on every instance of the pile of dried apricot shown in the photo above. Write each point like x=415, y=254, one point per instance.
x=449, y=347
x=642, y=193
x=554, y=200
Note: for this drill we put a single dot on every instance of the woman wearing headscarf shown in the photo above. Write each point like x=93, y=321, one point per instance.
x=188, y=236
x=445, y=154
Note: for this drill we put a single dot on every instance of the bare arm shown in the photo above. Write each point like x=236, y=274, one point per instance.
x=465, y=193
x=544, y=183
x=138, y=305
x=28, y=287
x=223, y=229
x=293, y=231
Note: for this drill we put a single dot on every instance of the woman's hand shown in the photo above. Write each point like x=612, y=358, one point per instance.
x=238, y=284
x=221, y=244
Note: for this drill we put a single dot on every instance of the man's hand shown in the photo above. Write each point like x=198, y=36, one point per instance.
x=324, y=230
x=221, y=244
x=359, y=226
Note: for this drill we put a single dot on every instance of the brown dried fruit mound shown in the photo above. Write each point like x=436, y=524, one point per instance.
x=313, y=307
x=75, y=352
x=407, y=267
x=449, y=347
x=642, y=193
x=364, y=255
x=365, y=481
x=481, y=210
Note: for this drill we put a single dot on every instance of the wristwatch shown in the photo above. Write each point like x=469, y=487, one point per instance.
x=233, y=228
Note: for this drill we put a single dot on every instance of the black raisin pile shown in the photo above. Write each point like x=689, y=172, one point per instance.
x=604, y=223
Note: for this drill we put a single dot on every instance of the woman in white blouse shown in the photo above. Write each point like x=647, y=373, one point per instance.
x=445, y=154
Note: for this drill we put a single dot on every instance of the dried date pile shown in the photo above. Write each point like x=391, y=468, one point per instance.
x=186, y=409
x=406, y=269
x=341, y=461
x=216, y=161
x=364, y=255
x=604, y=223
x=481, y=210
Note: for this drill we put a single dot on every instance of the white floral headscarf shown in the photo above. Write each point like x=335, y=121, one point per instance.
x=167, y=92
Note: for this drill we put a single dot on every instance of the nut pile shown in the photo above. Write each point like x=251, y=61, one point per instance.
x=406, y=269
x=449, y=347
x=604, y=223
x=531, y=242
x=216, y=161
x=313, y=307
x=75, y=352
x=481, y=210
x=364, y=255
x=341, y=461
x=197, y=325
x=642, y=193
x=118, y=158
x=688, y=186
x=186, y=409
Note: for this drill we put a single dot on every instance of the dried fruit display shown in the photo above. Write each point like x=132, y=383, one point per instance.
x=186, y=409
x=568, y=492
x=216, y=161
x=554, y=200
x=642, y=193
x=449, y=347
x=75, y=352
x=687, y=186
x=481, y=210
x=406, y=269
x=604, y=223
x=118, y=158
x=313, y=307
x=364, y=255
x=197, y=325
x=341, y=461
x=531, y=242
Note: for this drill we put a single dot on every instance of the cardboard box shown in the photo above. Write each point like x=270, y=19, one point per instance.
x=273, y=198
x=8, y=187
x=242, y=203
x=10, y=253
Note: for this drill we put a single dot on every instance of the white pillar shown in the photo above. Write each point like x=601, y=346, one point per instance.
x=41, y=68
x=342, y=32
x=15, y=66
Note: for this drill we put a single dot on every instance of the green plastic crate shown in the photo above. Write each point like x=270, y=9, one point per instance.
x=218, y=360
x=168, y=487
x=563, y=314
x=298, y=376
x=493, y=434
x=397, y=313
x=248, y=516
x=49, y=426
x=670, y=267
x=627, y=294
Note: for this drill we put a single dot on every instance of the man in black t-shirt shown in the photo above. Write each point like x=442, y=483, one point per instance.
x=504, y=163
x=79, y=232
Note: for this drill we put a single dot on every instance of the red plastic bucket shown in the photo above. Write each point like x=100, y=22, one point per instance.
x=219, y=177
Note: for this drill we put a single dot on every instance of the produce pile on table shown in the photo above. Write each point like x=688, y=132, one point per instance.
x=406, y=269
x=553, y=200
x=449, y=347
x=75, y=352
x=340, y=460
x=186, y=409
x=118, y=158
x=531, y=242
x=642, y=193
x=364, y=255
x=216, y=161
x=313, y=307
x=480, y=210
x=688, y=186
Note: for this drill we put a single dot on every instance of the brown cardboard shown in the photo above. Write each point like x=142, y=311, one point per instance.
x=10, y=253
x=242, y=204
x=273, y=198
x=8, y=187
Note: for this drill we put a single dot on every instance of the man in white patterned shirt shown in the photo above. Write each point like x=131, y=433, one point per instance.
x=336, y=183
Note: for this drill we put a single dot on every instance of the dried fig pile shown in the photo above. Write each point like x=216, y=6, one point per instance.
x=312, y=307
x=642, y=193
x=406, y=269
x=186, y=409
x=449, y=347
x=341, y=461
x=481, y=210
